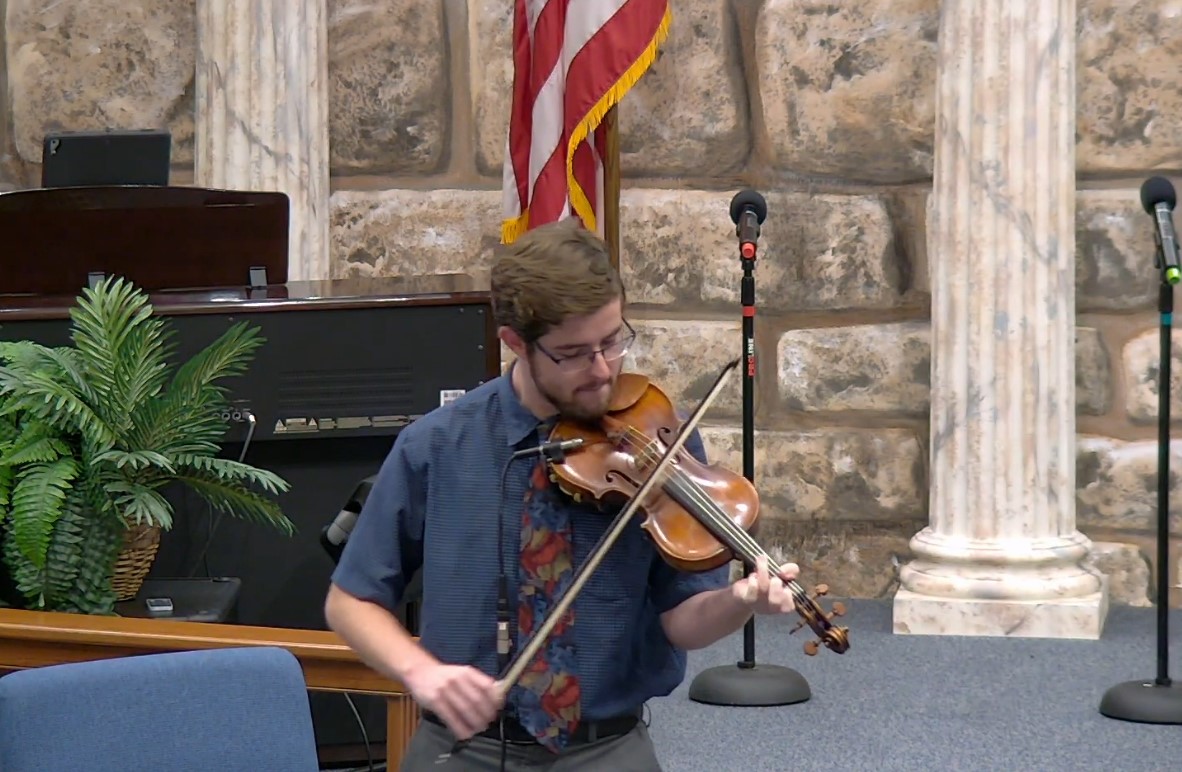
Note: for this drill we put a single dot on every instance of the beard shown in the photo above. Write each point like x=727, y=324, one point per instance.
x=587, y=403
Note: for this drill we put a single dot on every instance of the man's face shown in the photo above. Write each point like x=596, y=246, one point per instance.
x=580, y=384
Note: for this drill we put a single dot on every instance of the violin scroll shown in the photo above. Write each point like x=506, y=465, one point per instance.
x=834, y=638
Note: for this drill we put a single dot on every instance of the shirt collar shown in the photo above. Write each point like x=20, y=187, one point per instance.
x=520, y=422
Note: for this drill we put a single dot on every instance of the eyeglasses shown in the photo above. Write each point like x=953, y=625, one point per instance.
x=583, y=360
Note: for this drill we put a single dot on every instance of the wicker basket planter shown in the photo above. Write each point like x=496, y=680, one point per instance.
x=92, y=432
x=140, y=543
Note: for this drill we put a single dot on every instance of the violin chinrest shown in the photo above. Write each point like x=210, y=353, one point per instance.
x=630, y=387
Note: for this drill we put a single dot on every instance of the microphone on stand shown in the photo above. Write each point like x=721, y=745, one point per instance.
x=748, y=211
x=1158, y=700
x=749, y=682
x=1158, y=199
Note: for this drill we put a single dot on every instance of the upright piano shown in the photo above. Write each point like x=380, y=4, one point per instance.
x=347, y=363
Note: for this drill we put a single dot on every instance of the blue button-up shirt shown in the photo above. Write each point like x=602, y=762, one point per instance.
x=435, y=505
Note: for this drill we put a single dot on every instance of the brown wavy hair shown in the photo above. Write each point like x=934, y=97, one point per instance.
x=550, y=273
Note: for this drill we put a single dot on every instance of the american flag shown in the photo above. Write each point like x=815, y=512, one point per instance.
x=572, y=61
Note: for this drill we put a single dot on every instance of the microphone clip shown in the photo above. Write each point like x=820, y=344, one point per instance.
x=748, y=233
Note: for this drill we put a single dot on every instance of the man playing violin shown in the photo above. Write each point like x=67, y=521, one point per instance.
x=438, y=505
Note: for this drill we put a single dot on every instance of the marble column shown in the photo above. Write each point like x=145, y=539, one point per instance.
x=262, y=112
x=1002, y=555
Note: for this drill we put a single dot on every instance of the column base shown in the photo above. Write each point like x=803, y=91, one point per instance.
x=1019, y=588
x=1079, y=617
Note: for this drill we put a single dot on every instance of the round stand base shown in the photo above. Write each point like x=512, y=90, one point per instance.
x=757, y=686
x=1144, y=701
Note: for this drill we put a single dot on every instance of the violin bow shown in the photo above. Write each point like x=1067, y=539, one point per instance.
x=526, y=654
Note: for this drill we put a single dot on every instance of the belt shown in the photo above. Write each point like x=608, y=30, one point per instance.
x=585, y=731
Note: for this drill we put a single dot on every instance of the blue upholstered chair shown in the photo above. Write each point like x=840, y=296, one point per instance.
x=222, y=710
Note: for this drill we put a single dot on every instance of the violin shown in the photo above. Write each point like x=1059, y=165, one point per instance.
x=699, y=516
x=703, y=515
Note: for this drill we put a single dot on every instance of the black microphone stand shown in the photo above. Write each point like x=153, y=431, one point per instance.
x=1158, y=701
x=747, y=683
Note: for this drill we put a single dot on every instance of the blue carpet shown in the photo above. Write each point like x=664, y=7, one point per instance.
x=918, y=703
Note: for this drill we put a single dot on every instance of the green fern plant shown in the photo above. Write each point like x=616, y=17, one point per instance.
x=91, y=433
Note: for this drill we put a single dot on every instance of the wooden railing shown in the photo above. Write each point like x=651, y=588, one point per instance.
x=37, y=638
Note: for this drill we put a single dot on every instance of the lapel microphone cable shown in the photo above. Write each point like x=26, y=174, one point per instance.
x=551, y=451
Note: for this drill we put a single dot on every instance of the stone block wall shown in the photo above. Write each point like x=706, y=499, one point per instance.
x=826, y=108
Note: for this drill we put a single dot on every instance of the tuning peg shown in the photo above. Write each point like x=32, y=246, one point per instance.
x=811, y=648
x=838, y=610
x=820, y=589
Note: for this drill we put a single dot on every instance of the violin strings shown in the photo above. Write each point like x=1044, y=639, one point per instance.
x=711, y=510
x=741, y=540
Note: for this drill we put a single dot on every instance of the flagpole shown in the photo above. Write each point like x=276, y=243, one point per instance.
x=611, y=184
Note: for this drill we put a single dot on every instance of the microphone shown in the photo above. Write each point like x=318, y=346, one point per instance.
x=551, y=450
x=335, y=534
x=1158, y=199
x=748, y=211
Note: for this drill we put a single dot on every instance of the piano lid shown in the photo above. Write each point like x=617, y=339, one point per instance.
x=349, y=293
x=159, y=238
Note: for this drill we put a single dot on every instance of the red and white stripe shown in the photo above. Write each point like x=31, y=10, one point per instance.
x=572, y=61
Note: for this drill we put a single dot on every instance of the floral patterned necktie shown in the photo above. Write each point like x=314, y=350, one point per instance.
x=547, y=694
